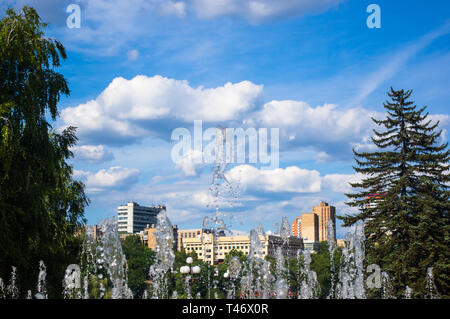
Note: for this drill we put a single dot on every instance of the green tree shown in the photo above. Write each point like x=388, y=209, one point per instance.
x=408, y=229
x=177, y=280
x=320, y=263
x=139, y=259
x=243, y=259
x=41, y=206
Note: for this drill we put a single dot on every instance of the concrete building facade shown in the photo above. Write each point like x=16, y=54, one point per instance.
x=134, y=218
x=309, y=227
x=313, y=227
x=296, y=227
x=324, y=213
x=213, y=249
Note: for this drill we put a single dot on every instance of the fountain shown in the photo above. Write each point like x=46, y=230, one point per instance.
x=2, y=289
x=331, y=235
x=309, y=287
x=408, y=292
x=386, y=285
x=41, y=285
x=104, y=270
x=281, y=285
x=432, y=292
x=114, y=260
x=165, y=256
x=234, y=270
x=11, y=290
x=351, y=276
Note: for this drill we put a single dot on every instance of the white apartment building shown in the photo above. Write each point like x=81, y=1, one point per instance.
x=133, y=218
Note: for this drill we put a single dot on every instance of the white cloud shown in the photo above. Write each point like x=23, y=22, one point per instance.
x=290, y=179
x=177, y=215
x=339, y=183
x=92, y=153
x=444, y=119
x=108, y=26
x=174, y=8
x=300, y=123
x=115, y=177
x=130, y=110
x=260, y=10
x=124, y=104
x=323, y=157
x=133, y=55
x=191, y=164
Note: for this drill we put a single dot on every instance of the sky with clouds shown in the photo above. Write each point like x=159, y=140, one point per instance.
x=138, y=69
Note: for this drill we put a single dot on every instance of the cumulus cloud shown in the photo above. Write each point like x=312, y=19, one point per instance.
x=323, y=157
x=177, y=8
x=301, y=122
x=180, y=215
x=290, y=179
x=130, y=110
x=261, y=10
x=115, y=177
x=340, y=183
x=125, y=108
x=191, y=164
x=443, y=119
x=92, y=153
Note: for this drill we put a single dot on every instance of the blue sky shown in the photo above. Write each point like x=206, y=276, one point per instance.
x=138, y=69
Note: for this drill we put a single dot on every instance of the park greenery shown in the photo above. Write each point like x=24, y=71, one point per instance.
x=140, y=258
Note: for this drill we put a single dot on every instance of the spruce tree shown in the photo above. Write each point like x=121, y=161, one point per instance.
x=406, y=180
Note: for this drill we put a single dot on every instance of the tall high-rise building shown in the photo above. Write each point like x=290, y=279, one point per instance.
x=296, y=227
x=310, y=227
x=306, y=227
x=324, y=213
x=313, y=227
x=133, y=218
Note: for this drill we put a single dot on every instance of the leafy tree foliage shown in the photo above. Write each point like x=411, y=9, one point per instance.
x=408, y=228
x=41, y=206
x=139, y=259
x=320, y=263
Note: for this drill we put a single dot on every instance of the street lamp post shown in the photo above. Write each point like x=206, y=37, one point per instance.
x=187, y=270
x=226, y=275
